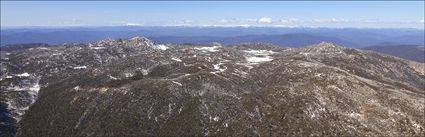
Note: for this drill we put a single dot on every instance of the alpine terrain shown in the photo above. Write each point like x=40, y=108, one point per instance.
x=135, y=87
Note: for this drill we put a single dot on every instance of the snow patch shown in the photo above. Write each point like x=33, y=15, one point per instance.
x=259, y=52
x=216, y=118
x=161, y=47
x=43, y=48
x=34, y=87
x=145, y=72
x=208, y=49
x=31, y=92
x=169, y=109
x=258, y=56
x=77, y=88
x=128, y=75
x=219, y=68
x=256, y=59
x=22, y=75
x=176, y=59
x=81, y=120
x=97, y=47
x=80, y=67
x=187, y=65
x=318, y=75
x=417, y=126
x=177, y=83
x=147, y=43
x=304, y=53
x=112, y=77
x=355, y=115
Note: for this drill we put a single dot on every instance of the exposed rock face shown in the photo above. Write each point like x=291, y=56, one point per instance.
x=137, y=88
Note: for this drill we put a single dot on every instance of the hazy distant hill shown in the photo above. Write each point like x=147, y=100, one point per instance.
x=293, y=37
x=411, y=52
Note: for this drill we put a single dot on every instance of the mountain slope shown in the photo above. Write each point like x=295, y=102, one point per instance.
x=287, y=40
x=137, y=88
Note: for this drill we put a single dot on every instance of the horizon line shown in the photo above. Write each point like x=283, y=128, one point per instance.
x=206, y=26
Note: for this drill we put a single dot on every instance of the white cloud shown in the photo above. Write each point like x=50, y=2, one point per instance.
x=134, y=24
x=183, y=22
x=242, y=22
x=283, y=22
x=243, y=25
x=369, y=21
x=230, y=21
x=265, y=20
x=338, y=20
x=223, y=25
x=291, y=20
x=223, y=21
x=332, y=20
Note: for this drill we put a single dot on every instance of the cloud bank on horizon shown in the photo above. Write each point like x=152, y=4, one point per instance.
x=360, y=14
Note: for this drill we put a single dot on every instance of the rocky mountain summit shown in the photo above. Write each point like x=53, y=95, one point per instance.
x=134, y=87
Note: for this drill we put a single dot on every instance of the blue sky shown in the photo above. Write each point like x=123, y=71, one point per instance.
x=380, y=14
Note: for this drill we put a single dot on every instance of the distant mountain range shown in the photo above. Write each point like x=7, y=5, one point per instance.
x=290, y=37
x=411, y=52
